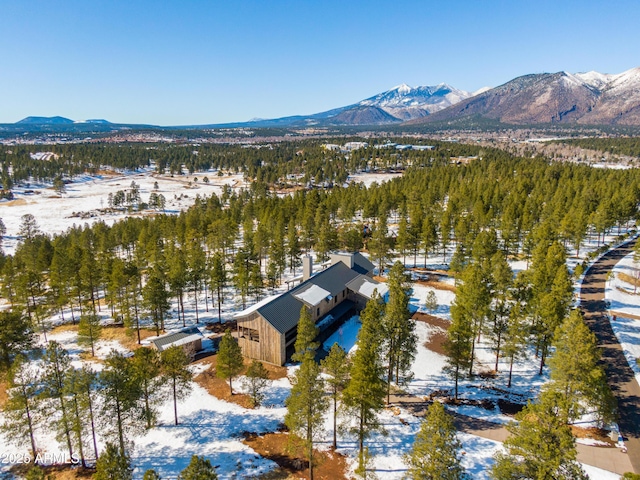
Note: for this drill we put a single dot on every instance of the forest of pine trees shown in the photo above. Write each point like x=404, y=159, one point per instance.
x=241, y=243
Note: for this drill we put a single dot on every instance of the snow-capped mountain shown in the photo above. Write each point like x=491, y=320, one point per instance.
x=585, y=98
x=405, y=102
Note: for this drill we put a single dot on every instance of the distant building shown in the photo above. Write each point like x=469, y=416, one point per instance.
x=350, y=146
x=189, y=338
x=267, y=331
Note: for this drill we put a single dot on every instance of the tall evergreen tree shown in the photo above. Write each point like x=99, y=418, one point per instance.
x=21, y=411
x=16, y=336
x=113, y=464
x=230, y=361
x=576, y=374
x=89, y=330
x=57, y=366
x=336, y=365
x=400, y=338
x=540, y=447
x=471, y=305
x=305, y=340
x=146, y=367
x=199, y=468
x=79, y=387
x=174, y=362
x=365, y=393
x=121, y=392
x=257, y=379
x=306, y=405
x=435, y=454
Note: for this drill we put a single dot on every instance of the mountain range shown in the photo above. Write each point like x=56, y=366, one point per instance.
x=584, y=98
x=590, y=98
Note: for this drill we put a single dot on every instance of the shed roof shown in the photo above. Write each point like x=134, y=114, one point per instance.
x=181, y=337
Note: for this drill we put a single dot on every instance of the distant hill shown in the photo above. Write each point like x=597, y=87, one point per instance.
x=585, y=98
x=45, y=121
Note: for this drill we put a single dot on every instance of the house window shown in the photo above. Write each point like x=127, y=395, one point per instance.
x=318, y=312
x=250, y=334
x=335, y=299
x=344, y=292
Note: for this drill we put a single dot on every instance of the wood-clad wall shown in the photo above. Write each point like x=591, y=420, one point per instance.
x=270, y=348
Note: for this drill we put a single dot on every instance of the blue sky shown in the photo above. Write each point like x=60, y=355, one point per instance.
x=207, y=61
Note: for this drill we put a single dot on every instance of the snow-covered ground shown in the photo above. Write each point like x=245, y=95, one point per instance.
x=622, y=300
x=212, y=427
x=88, y=194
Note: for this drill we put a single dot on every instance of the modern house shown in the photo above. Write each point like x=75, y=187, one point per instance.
x=189, y=338
x=267, y=330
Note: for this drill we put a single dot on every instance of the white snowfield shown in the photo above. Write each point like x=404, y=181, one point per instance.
x=87, y=195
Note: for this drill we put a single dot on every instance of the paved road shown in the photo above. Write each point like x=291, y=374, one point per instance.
x=619, y=373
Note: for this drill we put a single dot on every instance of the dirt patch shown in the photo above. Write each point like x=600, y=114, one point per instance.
x=57, y=472
x=217, y=327
x=629, y=279
x=15, y=203
x=592, y=432
x=219, y=388
x=437, y=285
x=438, y=336
x=291, y=460
x=128, y=337
x=3, y=393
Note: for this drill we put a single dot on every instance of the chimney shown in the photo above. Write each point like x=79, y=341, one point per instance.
x=344, y=257
x=307, y=267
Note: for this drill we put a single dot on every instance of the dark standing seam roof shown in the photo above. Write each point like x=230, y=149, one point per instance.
x=284, y=312
x=361, y=264
x=170, y=338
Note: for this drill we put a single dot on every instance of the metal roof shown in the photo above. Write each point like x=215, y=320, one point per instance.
x=181, y=337
x=361, y=264
x=283, y=312
x=365, y=286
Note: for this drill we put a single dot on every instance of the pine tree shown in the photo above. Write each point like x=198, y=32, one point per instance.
x=151, y=475
x=306, y=405
x=146, y=367
x=198, y=469
x=89, y=331
x=16, y=336
x=79, y=387
x=431, y=302
x=336, y=365
x=57, y=366
x=307, y=333
x=576, y=374
x=120, y=391
x=379, y=244
x=113, y=464
x=364, y=395
x=458, y=347
x=540, y=447
x=400, y=338
x=218, y=280
x=435, y=452
x=257, y=379
x=471, y=305
x=230, y=361
x=156, y=299
x=175, y=372
x=21, y=411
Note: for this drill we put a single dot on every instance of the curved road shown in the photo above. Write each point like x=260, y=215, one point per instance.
x=619, y=374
